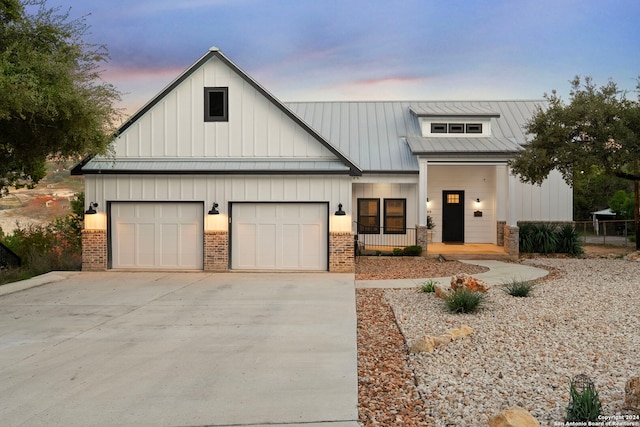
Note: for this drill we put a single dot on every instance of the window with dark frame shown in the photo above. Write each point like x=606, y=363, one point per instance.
x=216, y=104
x=369, y=216
x=395, y=216
x=438, y=128
x=456, y=127
x=474, y=127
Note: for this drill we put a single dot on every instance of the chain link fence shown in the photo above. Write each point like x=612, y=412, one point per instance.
x=607, y=232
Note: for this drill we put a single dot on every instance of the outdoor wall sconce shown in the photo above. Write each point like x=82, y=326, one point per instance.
x=214, y=209
x=340, y=212
x=478, y=200
x=92, y=209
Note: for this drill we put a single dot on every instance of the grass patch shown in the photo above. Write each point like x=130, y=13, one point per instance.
x=518, y=288
x=462, y=300
x=428, y=286
x=584, y=404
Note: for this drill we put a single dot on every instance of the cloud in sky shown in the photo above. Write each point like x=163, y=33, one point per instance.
x=371, y=49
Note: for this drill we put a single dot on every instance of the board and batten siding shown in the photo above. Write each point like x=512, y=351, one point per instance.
x=222, y=190
x=477, y=182
x=175, y=126
x=551, y=201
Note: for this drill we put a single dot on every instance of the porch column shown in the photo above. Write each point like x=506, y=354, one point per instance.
x=421, y=227
x=512, y=219
x=422, y=192
x=511, y=231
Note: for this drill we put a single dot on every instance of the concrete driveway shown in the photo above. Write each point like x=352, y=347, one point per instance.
x=180, y=349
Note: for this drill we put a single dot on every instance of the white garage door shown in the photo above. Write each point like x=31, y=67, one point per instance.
x=279, y=236
x=157, y=235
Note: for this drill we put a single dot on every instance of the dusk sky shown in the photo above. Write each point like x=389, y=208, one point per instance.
x=325, y=50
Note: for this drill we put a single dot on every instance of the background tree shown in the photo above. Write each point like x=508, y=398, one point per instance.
x=592, y=189
x=598, y=127
x=622, y=204
x=53, y=103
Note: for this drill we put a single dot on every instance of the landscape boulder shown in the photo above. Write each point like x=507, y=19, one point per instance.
x=513, y=417
x=428, y=343
x=632, y=394
x=469, y=282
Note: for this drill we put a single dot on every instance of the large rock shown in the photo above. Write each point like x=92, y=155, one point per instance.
x=632, y=394
x=441, y=290
x=513, y=417
x=423, y=345
x=460, y=332
x=469, y=282
x=428, y=343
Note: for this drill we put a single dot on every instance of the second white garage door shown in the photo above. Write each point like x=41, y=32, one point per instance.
x=157, y=235
x=279, y=236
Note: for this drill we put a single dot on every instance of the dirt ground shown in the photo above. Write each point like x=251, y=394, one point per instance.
x=599, y=251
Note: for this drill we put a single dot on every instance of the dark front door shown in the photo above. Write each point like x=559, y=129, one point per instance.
x=453, y=217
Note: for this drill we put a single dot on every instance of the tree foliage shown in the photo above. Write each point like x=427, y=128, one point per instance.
x=622, y=204
x=53, y=103
x=598, y=126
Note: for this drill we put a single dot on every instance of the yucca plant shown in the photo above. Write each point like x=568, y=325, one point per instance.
x=526, y=237
x=569, y=240
x=545, y=240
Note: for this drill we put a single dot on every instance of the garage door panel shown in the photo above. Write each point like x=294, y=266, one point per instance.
x=159, y=235
x=285, y=236
x=169, y=244
x=245, y=233
x=126, y=249
x=290, y=246
x=266, y=235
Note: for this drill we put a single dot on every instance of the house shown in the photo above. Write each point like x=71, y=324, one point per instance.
x=215, y=173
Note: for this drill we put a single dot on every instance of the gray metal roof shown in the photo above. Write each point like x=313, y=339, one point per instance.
x=421, y=145
x=449, y=110
x=385, y=136
x=213, y=166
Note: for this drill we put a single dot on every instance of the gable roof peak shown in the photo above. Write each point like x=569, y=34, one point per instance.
x=214, y=49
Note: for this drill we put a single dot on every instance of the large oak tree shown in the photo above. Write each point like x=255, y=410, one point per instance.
x=53, y=103
x=598, y=126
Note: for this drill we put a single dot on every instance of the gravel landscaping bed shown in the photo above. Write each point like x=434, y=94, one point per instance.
x=522, y=352
x=388, y=267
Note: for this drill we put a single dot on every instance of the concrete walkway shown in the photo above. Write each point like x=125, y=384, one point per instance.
x=179, y=349
x=499, y=273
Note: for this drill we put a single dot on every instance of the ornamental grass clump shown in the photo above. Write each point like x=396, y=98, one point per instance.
x=518, y=288
x=428, y=286
x=584, y=404
x=462, y=300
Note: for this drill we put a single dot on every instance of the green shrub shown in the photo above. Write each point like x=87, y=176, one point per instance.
x=397, y=252
x=412, y=250
x=584, y=404
x=545, y=240
x=462, y=300
x=517, y=288
x=43, y=248
x=568, y=241
x=429, y=286
x=526, y=237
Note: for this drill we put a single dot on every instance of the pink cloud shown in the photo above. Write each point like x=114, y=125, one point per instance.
x=390, y=80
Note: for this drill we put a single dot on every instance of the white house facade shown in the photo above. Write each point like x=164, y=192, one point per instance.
x=215, y=173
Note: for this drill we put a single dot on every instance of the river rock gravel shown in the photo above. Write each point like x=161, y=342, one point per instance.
x=524, y=351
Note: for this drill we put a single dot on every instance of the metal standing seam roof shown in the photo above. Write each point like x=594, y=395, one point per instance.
x=213, y=166
x=385, y=136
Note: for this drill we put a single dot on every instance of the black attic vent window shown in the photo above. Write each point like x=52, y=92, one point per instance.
x=216, y=104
